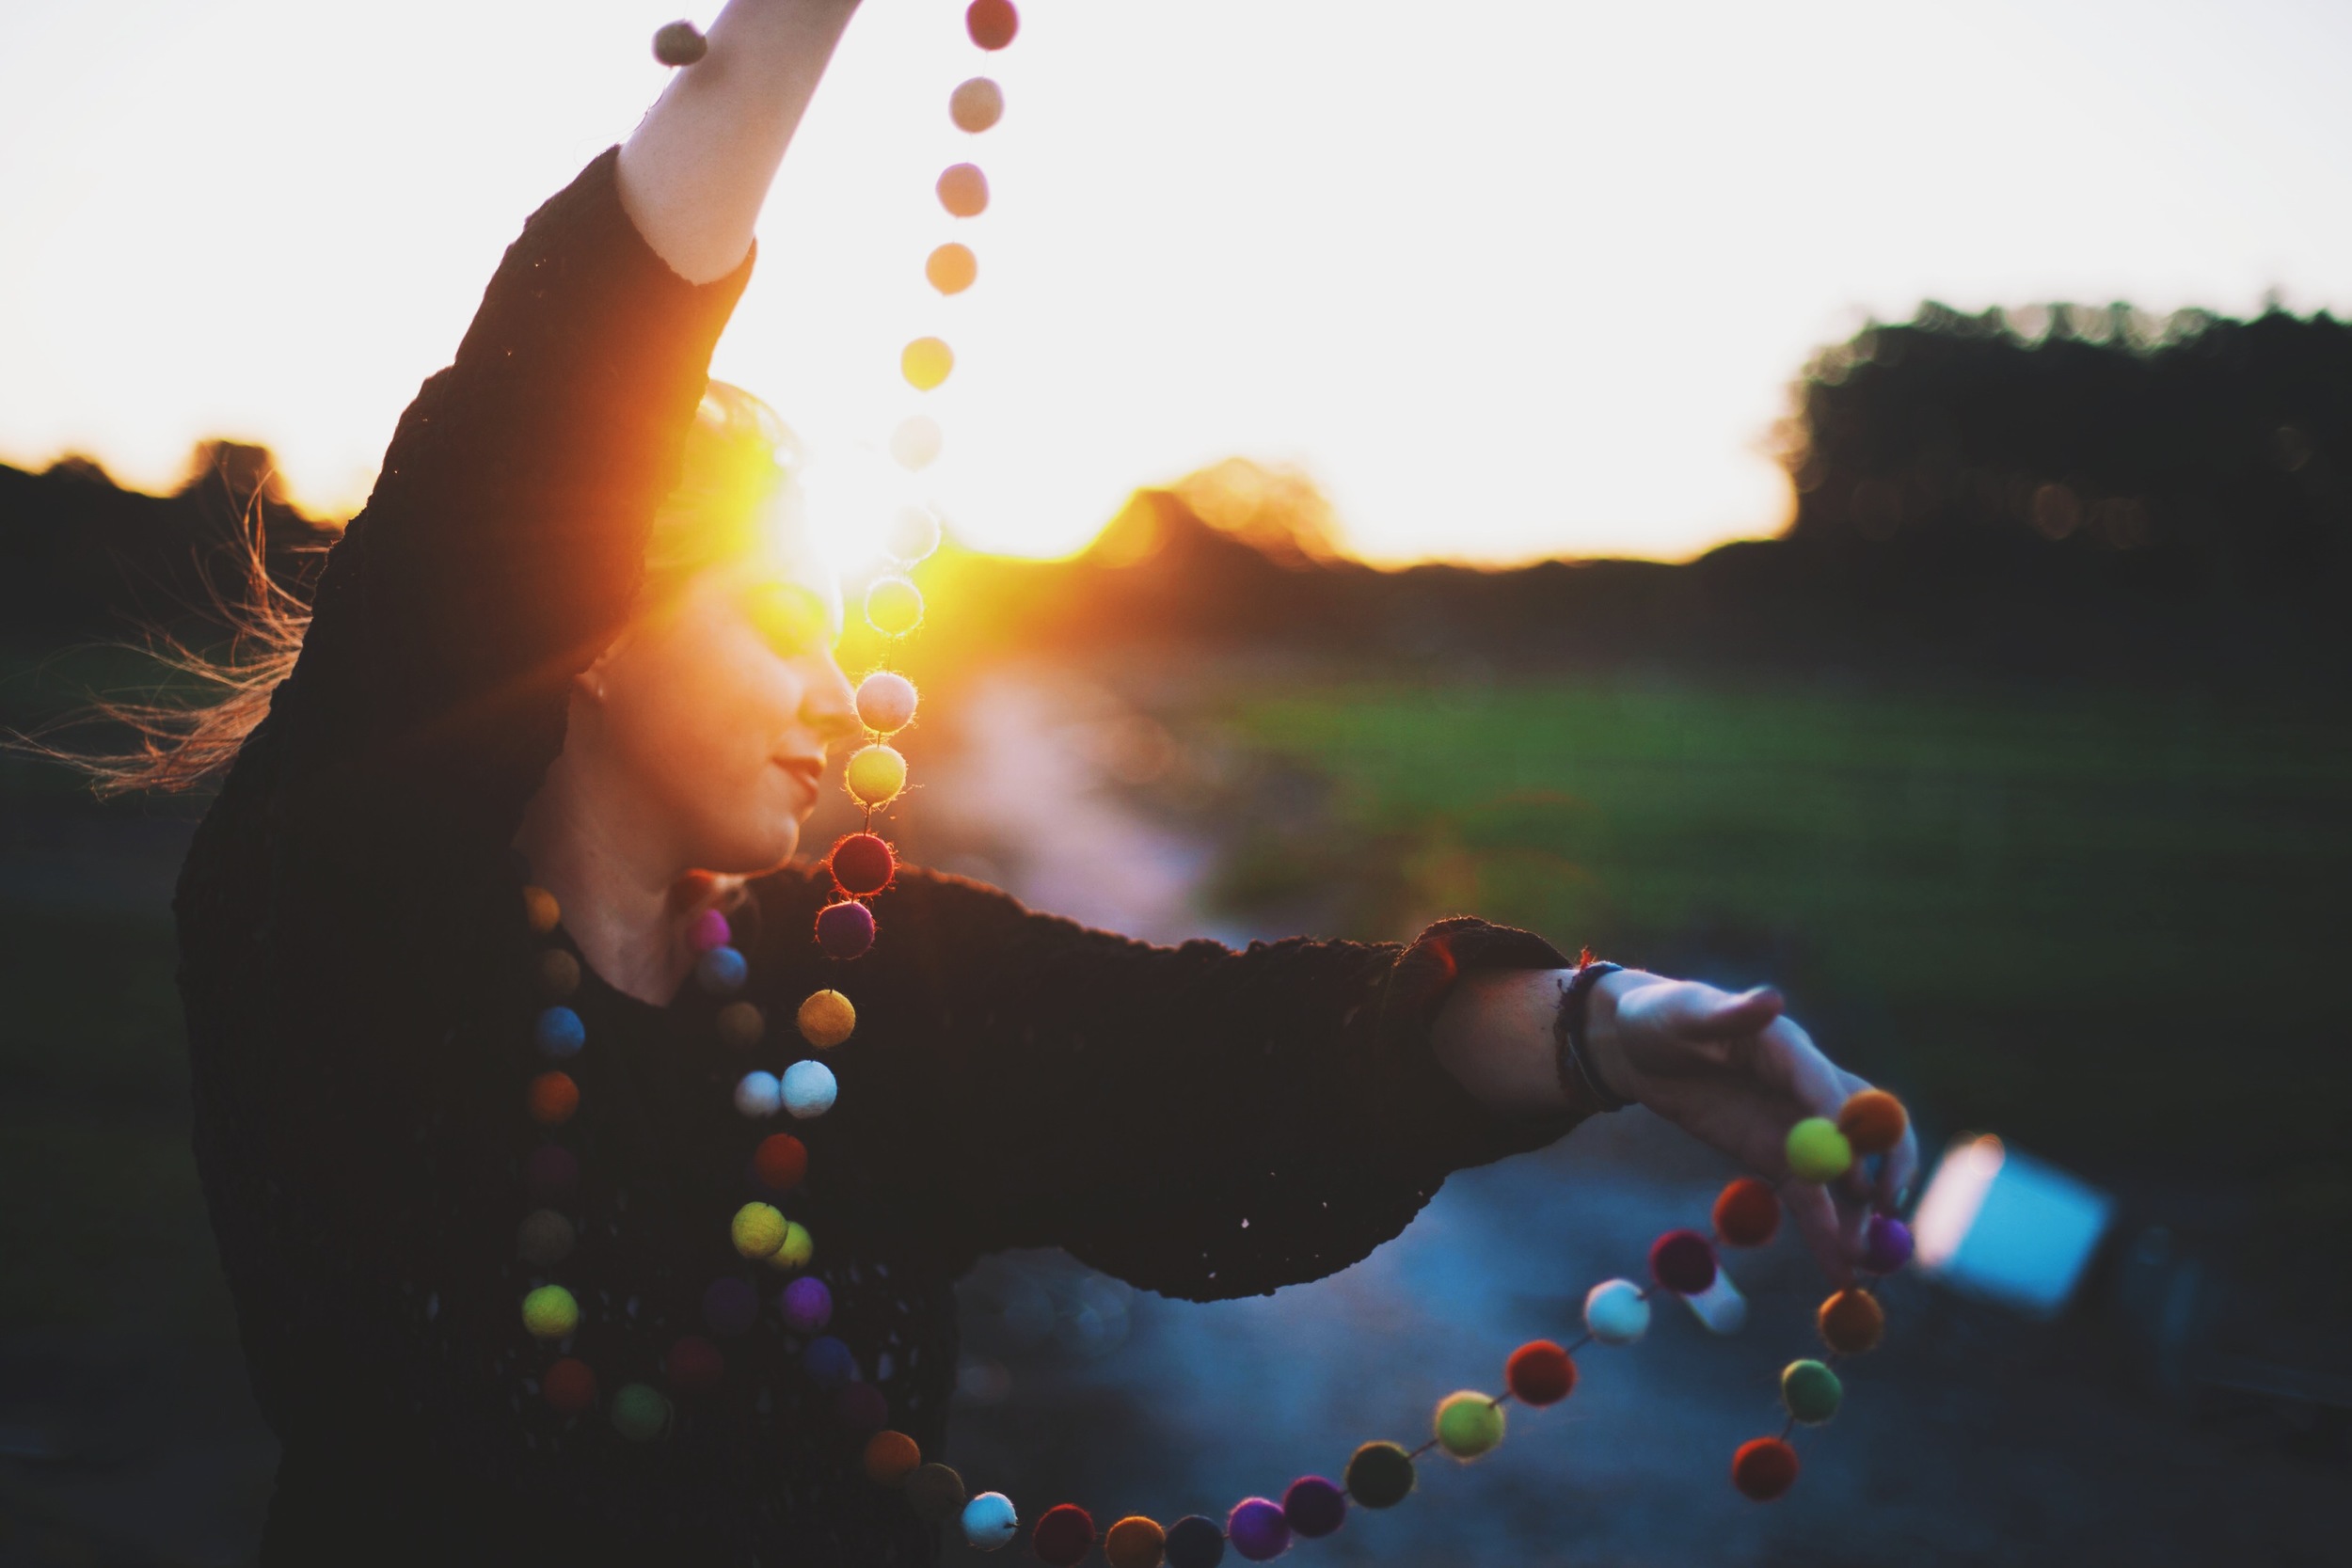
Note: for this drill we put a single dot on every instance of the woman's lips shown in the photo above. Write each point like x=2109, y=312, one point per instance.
x=807, y=770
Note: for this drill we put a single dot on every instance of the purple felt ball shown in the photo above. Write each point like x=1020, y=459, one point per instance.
x=1314, y=1507
x=1885, y=1245
x=1257, y=1529
x=730, y=1305
x=808, y=1304
x=1683, y=1261
x=551, y=1174
x=845, y=930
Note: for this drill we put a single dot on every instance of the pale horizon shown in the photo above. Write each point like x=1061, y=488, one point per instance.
x=1507, y=284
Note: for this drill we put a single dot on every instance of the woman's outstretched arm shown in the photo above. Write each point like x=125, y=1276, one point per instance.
x=693, y=175
x=1730, y=1070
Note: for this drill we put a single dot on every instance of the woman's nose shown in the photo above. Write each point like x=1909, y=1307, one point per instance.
x=831, y=707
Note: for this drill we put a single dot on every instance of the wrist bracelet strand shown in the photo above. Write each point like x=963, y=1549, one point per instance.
x=1572, y=1058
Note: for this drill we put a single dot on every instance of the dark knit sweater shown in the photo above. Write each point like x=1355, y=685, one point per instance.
x=357, y=979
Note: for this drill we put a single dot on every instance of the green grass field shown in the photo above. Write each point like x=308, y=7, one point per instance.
x=2106, y=924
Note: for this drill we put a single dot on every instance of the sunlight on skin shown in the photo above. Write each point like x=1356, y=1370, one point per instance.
x=1507, y=282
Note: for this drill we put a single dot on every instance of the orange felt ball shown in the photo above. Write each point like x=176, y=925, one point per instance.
x=991, y=24
x=952, y=268
x=1873, y=1121
x=963, y=190
x=568, y=1386
x=1764, y=1468
x=1135, y=1542
x=781, y=1161
x=540, y=911
x=553, y=1098
x=891, y=1457
x=1747, y=1212
x=1852, y=1321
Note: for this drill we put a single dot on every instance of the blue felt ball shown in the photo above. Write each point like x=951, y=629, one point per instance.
x=990, y=1521
x=721, y=970
x=828, y=1362
x=559, y=1033
x=1614, y=1312
x=1194, y=1541
x=809, y=1088
x=757, y=1095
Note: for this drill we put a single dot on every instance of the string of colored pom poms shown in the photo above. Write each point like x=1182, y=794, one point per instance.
x=1466, y=1424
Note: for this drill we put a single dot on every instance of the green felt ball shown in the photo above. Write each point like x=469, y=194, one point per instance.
x=550, y=1313
x=640, y=1413
x=1379, y=1475
x=1818, y=1152
x=1468, y=1424
x=1811, y=1391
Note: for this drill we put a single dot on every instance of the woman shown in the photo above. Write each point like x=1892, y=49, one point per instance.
x=562, y=648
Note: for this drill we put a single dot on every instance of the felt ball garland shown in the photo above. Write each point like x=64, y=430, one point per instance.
x=1466, y=1424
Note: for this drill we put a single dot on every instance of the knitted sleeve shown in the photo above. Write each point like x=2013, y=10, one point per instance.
x=1201, y=1121
x=504, y=543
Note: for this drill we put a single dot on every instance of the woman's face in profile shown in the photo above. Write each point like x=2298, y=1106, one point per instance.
x=715, y=711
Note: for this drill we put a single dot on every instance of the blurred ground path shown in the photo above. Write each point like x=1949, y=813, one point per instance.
x=1970, y=1437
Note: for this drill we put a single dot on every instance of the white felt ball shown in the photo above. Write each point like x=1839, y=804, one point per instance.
x=990, y=1522
x=758, y=1095
x=1615, y=1312
x=886, y=701
x=809, y=1089
x=916, y=441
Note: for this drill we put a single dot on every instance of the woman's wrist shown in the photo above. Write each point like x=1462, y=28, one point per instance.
x=1604, y=1046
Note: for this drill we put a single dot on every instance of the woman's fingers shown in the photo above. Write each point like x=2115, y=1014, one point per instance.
x=1720, y=1016
x=1896, y=1173
x=1824, y=1231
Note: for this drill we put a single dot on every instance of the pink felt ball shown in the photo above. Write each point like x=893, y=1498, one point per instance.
x=709, y=931
x=808, y=1304
x=845, y=930
x=1682, y=1261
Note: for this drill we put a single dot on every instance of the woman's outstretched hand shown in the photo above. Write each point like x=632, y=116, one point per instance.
x=1734, y=1070
x=1728, y=1068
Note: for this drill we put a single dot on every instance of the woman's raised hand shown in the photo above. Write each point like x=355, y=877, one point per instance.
x=1733, y=1070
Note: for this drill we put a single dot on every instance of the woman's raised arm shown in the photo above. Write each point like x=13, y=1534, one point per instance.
x=693, y=175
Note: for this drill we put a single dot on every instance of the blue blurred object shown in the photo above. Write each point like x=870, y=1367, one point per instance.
x=2008, y=1228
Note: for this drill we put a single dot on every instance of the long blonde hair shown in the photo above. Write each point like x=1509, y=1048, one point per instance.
x=739, y=464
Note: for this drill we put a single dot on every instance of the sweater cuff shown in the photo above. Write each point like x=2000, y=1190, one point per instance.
x=1449, y=1125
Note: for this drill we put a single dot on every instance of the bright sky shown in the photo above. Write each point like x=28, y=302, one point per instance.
x=1507, y=277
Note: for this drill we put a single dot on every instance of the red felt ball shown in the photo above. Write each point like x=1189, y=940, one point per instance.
x=1764, y=1468
x=1540, y=1373
x=781, y=1161
x=1064, y=1536
x=862, y=1407
x=553, y=1098
x=569, y=1387
x=696, y=1364
x=845, y=930
x=1683, y=1261
x=992, y=23
x=863, y=865
x=1747, y=1212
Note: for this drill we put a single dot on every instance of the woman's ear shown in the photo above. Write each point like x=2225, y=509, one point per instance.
x=589, y=684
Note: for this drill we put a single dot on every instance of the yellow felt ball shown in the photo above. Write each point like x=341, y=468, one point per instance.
x=758, y=1229
x=876, y=774
x=977, y=105
x=1818, y=1152
x=1467, y=1424
x=550, y=1313
x=798, y=1248
x=827, y=1018
x=893, y=607
x=926, y=362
